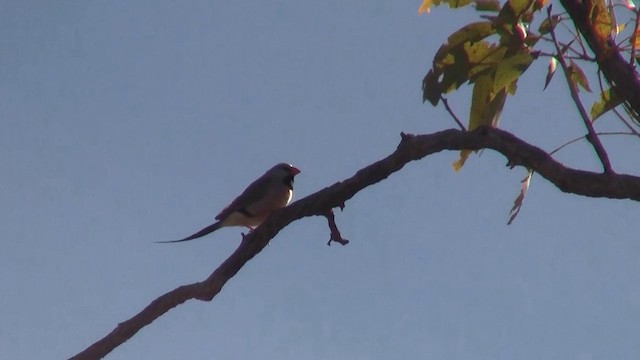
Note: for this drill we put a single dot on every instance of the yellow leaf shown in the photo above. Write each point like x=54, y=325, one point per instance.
x=425, y=7
x=464, y=155
x=635, y=39
x=509, y=70
x=578, y=76
x=520, y=6
x=601, y=19
x=488, y=5
x=608, y=100
x=485, y=106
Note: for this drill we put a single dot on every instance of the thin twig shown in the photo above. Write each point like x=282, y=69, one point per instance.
x=579, y=38
x=572, y=57
x=453, y=115
x=592, y=137
x=585, y=136
x=626, y=123
x=577, y=55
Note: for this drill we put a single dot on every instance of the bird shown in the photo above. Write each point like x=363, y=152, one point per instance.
x=271, y=191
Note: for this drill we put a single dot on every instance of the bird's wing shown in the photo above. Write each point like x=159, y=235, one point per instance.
x=209, y=229
x=255, y=192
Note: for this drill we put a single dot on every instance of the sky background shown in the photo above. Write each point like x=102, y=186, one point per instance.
x=124, y=123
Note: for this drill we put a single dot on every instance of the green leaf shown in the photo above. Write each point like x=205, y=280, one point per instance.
x=451, y=65
x=520, y=6
x=483, y=111
x=426, y=5
x=454, y=4
x=578, y=76
x=431, y=88
x=547, y=24
x=513, y=12
x=483, y=57
x=601, y=19
x=509, y=71
x=488, y=5
x=608, y=100
x=485, y=106
x=469, y=33
x=447, y=75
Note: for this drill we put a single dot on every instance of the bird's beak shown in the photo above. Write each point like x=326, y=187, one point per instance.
x=294, y=170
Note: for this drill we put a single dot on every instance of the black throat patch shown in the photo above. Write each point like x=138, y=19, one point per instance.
x=289, y=182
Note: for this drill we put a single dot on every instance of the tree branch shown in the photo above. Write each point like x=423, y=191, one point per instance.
x=592, y=136
x=335, y=235
x=620, y=74
x=518, y=153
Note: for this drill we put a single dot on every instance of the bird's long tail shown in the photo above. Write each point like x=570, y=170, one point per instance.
x=209, y=229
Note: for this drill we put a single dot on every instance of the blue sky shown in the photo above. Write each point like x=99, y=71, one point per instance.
x=125, y=123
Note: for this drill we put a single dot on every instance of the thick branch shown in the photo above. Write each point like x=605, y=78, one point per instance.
x=410, y=148
x=616, y=69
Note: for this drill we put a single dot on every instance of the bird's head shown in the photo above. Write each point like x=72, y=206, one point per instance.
x=284, y=171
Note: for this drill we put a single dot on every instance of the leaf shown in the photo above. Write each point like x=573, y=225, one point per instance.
x=511, y=89
x=551, y=69
x=510, y=69
x=578, y=76
x=451, y=65
x=483, y=111
x=601, y=19
x=488, y=5
x=431, y=88
x=446, y=76
x=517, y=204
x=520, y=6
x=426, y=5
x=485, y=106
x=608, y=100
x=464, y=155
x=483, y=57
x=634, y=40
x=470, y=33
x=547, y=24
